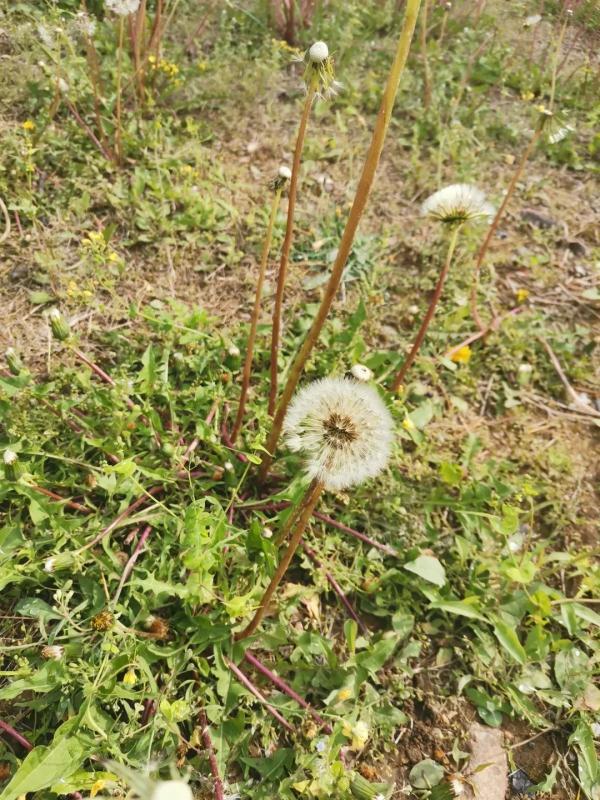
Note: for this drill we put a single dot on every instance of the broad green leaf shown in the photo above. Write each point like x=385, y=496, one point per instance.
x=426, y=774
x=572, y=670
x=510, y=641
x=45, y=766
x=428, y=568
x=464, y=608
x=35, y=607
x=586, y=613
x=44, y=680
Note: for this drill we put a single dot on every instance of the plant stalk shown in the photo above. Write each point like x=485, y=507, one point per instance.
x=399, y=379
x=287, y=244
x=255, y=315
x=358, y=206
x=311, y=498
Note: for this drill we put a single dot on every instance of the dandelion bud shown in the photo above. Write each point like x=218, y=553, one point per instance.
x=60, y=328
x=171, y=790
x=130, y=678
x=11, y=467
x=361, y=373
x=344, y=430
x=58, y=562
x=50, y=564
x=524, y=374
x=234, y=351
x=228, y=466
x=53, y=652
x=13, y=362
x=318, y=52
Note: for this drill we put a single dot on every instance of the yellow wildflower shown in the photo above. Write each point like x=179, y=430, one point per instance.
x=527, y=96
x=408, y=424
x=96, y=787
x=28, y=125
x=344, y=694
x=462, y=355
x=522, y=295
x=202, y=66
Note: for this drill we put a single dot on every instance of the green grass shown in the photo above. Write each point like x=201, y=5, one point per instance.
x=488, y=603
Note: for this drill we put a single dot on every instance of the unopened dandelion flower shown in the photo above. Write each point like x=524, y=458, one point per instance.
x=123, y=7
x=171, y=790
x=344, y=430
x=14, y=363
x=233, y=350
x=361, y=373
x=53, y=652
x=458, y=203
x=60, y=327
x=63, y=86
x=50, y=564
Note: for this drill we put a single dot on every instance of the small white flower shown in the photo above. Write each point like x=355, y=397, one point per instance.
x=228, y=466
x=459, y=202
x=285, y=172
x=63, y=85
x=171, y=790
x=53, y=652
x=560, y=134
x=344, y=430
x=457, y=787
x=85, y=24
x=516, y=542
x=361, y=373
x=123, y=7
x=267, y=533
x=9, y=457
x=532, y=20
x=318, y=52
x=233, y=350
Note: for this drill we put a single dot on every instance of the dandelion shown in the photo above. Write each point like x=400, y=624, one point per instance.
x=462, y=355
x=103, y=621
x=408, y=424
x=123, y=8
x=361, y=373
x=10, y=460
x=454, y=206
x=457, y=204
x=560, y=134
x=457, y=787
x=344, y=694
x=50, y=564
x=9, y=457
x=13, y=361
x=53, y=652
x=319, y=74
x=60, y=327
x=28, y=125
x=85, y=24
x=344, y=430
x=521, y=295
x=234, y=351
x=46, y=37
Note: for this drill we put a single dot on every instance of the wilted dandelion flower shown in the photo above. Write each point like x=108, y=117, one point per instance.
x=344, y=430
x=123, y=7
x=458, y=203
x=319, y=70
x=53, y=652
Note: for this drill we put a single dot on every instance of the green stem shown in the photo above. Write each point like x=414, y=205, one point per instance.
x=358, y=206
x=399, y=379
x=119, y=132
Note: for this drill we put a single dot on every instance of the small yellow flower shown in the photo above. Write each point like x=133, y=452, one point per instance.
x=130, y=678
x=360, y=735
x=344, y=694
x=527, y=96
x=202, y=66
x=522, y=295
x=96, y=787
x=114, y=257
x=28, y=125
x=462, y=356
x=408, y=424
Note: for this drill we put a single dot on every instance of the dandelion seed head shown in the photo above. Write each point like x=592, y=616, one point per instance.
x=171, y=790
x=85, y=24
x=344, y=430
x=9, y=457
x=361, y=373
x=53, y=652
x=284, y=172
x=123, y=7
x=458, y=203
x=457, y=787
x=379, y=796
x=318, y=52
x=560, y=134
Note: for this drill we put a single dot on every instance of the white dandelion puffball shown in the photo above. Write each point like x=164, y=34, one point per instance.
x=123, y=7
x=459, y=202
x=344, y=430
x=171, y=790
x=318, y=52
x=285, y=172
x=9, y=457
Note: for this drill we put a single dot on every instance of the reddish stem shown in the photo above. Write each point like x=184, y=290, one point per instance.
x=132, y=559
x=4, y=726
x=281, y=684
x=212, y=759
x=258, y=694
x=336, y=588
x=148, y=712
x=123, y=515
x=70, y=503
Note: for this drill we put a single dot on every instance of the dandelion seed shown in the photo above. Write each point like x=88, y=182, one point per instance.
x=560, y=134
x=171, y=790
x=361, y=373
x=123, y=7
x=344, y=430
x=53, y=652
x=458, y=203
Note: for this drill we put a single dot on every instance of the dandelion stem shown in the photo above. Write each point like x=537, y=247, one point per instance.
x=118, y=130
x=496, y=221
x=311, y=498
x=60, y=499
x=131, y=563
x=286, y=689
x=358, y=206
x=212, y=759
x=123, y=515
x=258, y=694
x=247, y=371
x=423, y=43
x=287, y=244
x=336, y=588
x=399, y=379
x=4, y=726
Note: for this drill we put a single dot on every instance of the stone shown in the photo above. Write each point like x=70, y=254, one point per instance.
x=491, y=781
